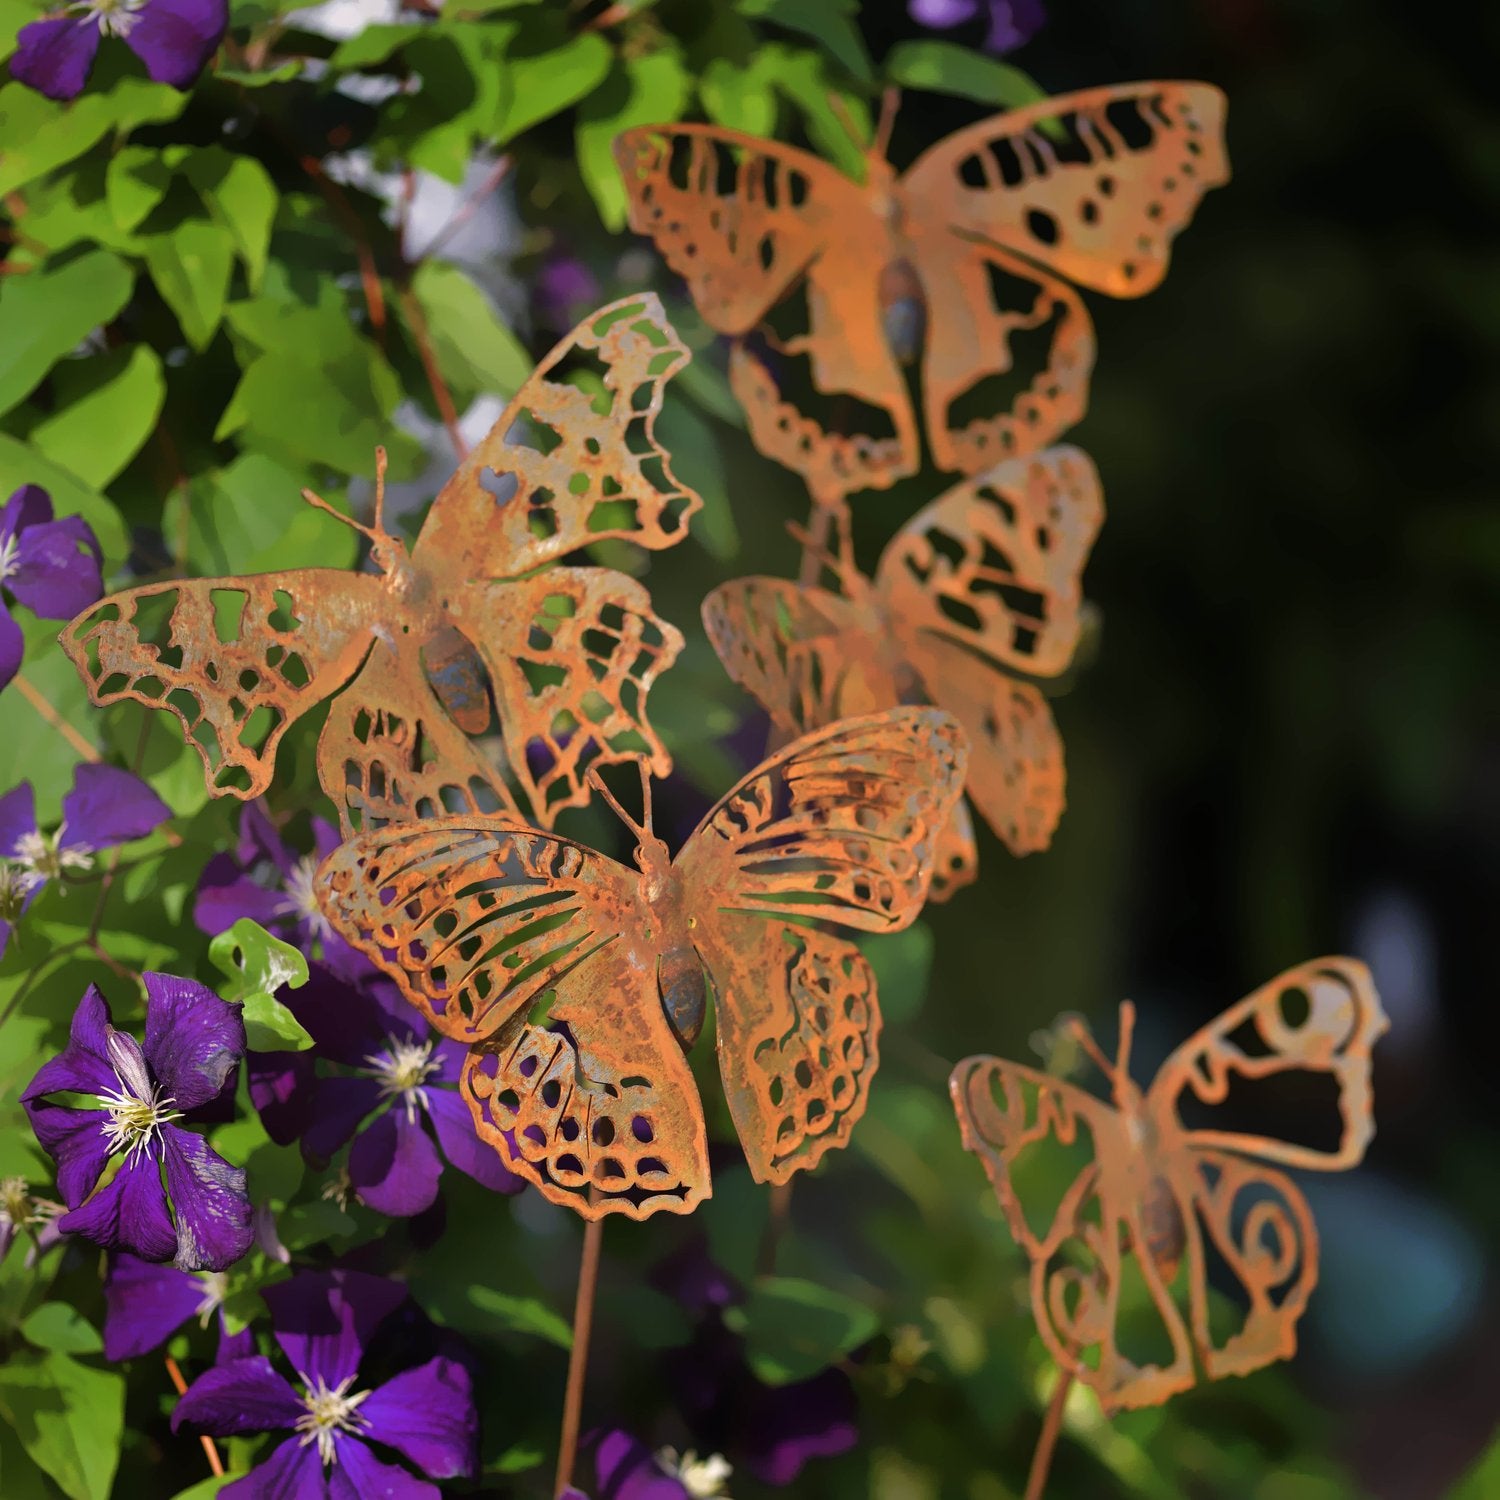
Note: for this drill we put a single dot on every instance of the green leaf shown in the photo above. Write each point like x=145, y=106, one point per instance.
x=829, y=22
x=56, y=1325
x=902, y=962
x=741, y=98
x=1482, y=1482
x=206, y=1489
x=373, y=45
x=48, y=313
x=109, y=406
x=545, y=85
x=69, y=1418
x=239, y=193
x=22, y=464
x=803, y=78
x=698, y=463
x=135, y=181
x=305, y=1224
x=191, y=267
x=523, y=1315
x=646, y=90
x=476, y=352
x=271, y=1027
x=793, y=1328
x=946, y=68
x=255, y=962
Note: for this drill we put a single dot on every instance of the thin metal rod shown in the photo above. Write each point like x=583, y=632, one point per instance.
x=781, y=1213
x=215, y=1463
x=1046, y=1443
x=578, y=1359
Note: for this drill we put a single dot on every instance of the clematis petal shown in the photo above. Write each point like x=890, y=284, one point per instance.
x=453, y=1121
x=292, y=1472
x=176, y=38
x=427, y=1415
x=394, y=1165
x=83, y=1066
x=193, y=1038
x=1013, y=23
x=54, y=56
x=109, y=806
x=76, y=1139
x=339, y=1106
x=784, y=1427
x=450, y=1057
x=18, y=805
x=357, y=1475
x=260, y=840
x=233, y=1346
x=347, y=1021
x=283, y=1086
x=943, y=14
x=627, y=1470
x=324, y=1319
x=212, y=1209
x=145, y=1304
x=127, y=1213
x=30, y=505
x=12, y=651
x=326, y=838
x=56, y=569
x=225, y=895
x=244, y=1395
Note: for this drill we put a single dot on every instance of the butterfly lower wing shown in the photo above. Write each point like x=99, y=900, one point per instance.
x=956, y=862
x=1320, y=1019
x=798, y=1030
x=596, y=1105
x=839, y=826
x=1099, y=207
x=237, y=660
x=566, y=464
x=806, y=656
x=572, y=654
x=995, y=563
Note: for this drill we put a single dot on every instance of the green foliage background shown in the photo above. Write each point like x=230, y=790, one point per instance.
x=1289, y=705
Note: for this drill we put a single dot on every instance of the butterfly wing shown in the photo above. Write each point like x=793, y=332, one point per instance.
x=1320, y=1020
x=841, y=826
x=1051, y=1152
x=538, y=952
x=566, y=464
x=237, y=660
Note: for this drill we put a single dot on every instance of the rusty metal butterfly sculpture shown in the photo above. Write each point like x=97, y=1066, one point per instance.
x=1159, y=1198
x=467, y=634
x=975, y=595
x=580, y=984
x=960, y=261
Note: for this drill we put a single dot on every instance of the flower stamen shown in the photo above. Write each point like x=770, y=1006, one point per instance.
x=137, y=1110
x=702, y=1478
x=10, y=562
x=42, y=859
x=402, y=1070
x=215, y=1290
x=301, y=897
x=113, y=17
x=329, y=1411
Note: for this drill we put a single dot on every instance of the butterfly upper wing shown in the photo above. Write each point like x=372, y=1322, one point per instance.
x=237, y=660
x=1321, y=1018
x=539, y=953
x=565, y=466
x=839, y=826
x=1101, y=205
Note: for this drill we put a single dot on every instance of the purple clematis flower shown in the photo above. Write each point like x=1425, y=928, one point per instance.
x=174, y=38
x=106, y=807
x=1012, y=23
x=323, y=1321
x=399, y=1073
x=626, y=1469
x=145, y=1304
x=20, y=1209
x=565, y=288
x=52, y=567
x=193, y=1041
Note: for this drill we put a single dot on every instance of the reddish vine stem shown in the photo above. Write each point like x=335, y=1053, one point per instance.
x=46, y=711
x=578, y=1357
x=1046, y=1443
x=412, y=311
x=210, y=1448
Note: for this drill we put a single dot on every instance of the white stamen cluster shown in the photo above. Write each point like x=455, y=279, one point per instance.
x=113, y=17
x=137, y=1109
x=301, y=899
x=19, y=1210
x=401, y=1070
x=329, y=1411
x=702, y=1478
x=16, y=883
x=338, y=1188
x=10, y=561
x=215, y=1290
x=42, y=858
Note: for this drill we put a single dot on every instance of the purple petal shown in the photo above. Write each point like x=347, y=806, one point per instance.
x=176, y=38
x=1013, y=23
x=83, y=1067
x=12, y=647
x=785, y=1427
x=627, y=1470
x=348, y=1023
x=428, y=1416
x=30, y=505
x=324, y=1319
x=233, y=1346
x=450, y=1057
x=193, y=1038
x=292, y=1472
x=57, y=569
x=326, y=838
x=127, y=1213
x=225, y=895
x=454, y=1122
x=260, y=839
x=245, y=1395
x=54, y=57
x=339, y=1106
x=282, y=1089
x=76, y=1140
x=943, y=14
x=145, y=1304
x=357, y=1475
x=209, y=1201
x=17, y=806
x=109, y=806
x=394, y=1165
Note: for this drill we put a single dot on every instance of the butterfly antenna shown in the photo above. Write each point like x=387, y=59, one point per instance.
x=890, y=102
x=645, y=775
x=841, y=113
x=839, y=562
x=1085, y=1038
x=1127, y=1036
x=380, y=467
x=377, y=532
x=602, y=787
